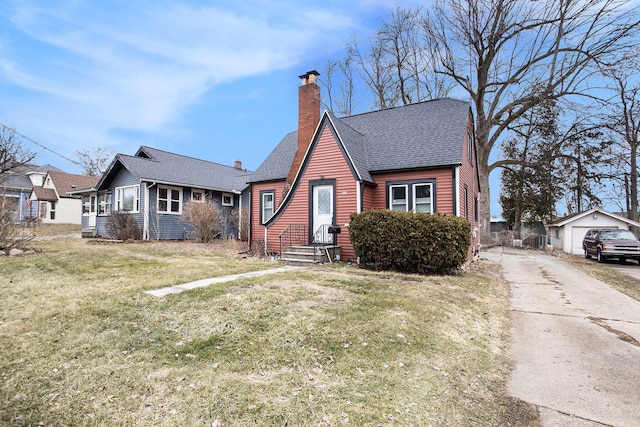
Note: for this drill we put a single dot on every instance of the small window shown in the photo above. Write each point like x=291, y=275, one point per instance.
x=475, y=208
x=52, y=211
x=466, y=202
x=470, y=146
x=267, y=201
x=398, y=195
x=43, y=210
x=227, y=199
x=169, y=200
x=197, y=195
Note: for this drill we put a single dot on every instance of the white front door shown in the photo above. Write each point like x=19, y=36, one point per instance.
x=322, y=212
x=93, y=212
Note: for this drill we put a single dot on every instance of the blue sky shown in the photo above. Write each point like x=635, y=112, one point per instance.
x=215, y=80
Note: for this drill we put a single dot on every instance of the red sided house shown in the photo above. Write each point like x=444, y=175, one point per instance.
x=419, y=157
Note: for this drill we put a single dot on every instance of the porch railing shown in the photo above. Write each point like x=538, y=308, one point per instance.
x=293, y=234
x=322, y=238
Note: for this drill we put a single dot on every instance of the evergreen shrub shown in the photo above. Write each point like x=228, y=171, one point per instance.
x=410, y=242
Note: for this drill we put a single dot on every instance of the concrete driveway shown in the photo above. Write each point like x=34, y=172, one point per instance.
x=575, y=342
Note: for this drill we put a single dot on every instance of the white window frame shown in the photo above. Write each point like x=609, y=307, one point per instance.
x=86, y=205
x=202, y=198
x=136, y=198
x=230, y=202
x=406, y=197
x=52, y=211
x=264, y=218
x=107, y=203
x=414, y=189
x=169, y=199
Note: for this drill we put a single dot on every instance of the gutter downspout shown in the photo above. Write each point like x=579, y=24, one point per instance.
x=265, y=241
x=240, y=217
x=358, y=197
x=456, y=191
x=145, y=228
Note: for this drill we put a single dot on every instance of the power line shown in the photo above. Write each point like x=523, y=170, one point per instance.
x=39, y=145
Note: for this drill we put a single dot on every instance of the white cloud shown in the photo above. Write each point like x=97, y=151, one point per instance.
x=138, y=65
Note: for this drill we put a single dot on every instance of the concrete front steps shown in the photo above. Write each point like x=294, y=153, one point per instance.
x=304, y=255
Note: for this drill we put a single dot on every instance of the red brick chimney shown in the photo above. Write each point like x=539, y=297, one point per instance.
x=308, y=118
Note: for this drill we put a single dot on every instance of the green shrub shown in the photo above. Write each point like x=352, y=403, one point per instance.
x=411, y=243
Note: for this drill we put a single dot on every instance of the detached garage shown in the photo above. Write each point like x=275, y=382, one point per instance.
x=566, y=233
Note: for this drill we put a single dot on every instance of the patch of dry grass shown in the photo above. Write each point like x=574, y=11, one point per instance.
x=82, y=344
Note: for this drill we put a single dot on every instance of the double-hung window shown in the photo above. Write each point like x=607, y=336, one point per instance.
x=128, y=198
x=416, y=195
x=398, y=198
x=169, y=200
x=86, y=205
x=267, y=203
x=422, y=201
x=104, y=203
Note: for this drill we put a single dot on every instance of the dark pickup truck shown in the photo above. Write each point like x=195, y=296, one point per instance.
x=611, y=243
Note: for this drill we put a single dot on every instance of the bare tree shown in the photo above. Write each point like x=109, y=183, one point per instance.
x=623, y=119
x=94, y=161
x=12, y=152
x=13, y=156
x=398, y=67
x=509, y=56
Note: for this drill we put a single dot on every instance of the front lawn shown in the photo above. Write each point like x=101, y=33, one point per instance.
x=82, y=344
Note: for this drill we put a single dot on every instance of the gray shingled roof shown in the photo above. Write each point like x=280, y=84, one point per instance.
x=276, y=165
x=151, y=164
x=424, y=135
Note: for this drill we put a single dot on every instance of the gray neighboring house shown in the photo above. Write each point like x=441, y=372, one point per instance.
x=153, y=185
x=16, y=186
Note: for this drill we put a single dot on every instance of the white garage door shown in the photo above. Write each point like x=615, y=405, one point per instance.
x=576, y=239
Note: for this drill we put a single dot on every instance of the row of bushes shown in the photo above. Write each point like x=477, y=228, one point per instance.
x=205, y=220
x=410, y=242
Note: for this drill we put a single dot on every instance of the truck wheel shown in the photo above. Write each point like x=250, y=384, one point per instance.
x=600, y=257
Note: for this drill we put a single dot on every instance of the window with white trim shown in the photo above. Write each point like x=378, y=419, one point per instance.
x=169, y=200
x=267, y=205
x=104, y=203
x=415, y=195
x=86, y=205
x=128, y=198
x=197, y=195
x=52, y=211
x=398, y=198
x=227, y=199
x=43, y=209
x=422, y=201
x=470, y=146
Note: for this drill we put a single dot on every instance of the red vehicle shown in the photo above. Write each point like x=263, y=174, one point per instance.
x=611, y=243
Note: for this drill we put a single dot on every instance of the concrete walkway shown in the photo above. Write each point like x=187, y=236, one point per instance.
x=575, y=342
x=212, y=281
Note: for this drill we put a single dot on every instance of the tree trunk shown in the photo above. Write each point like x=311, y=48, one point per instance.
x=485, y=195
x=633, y=212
